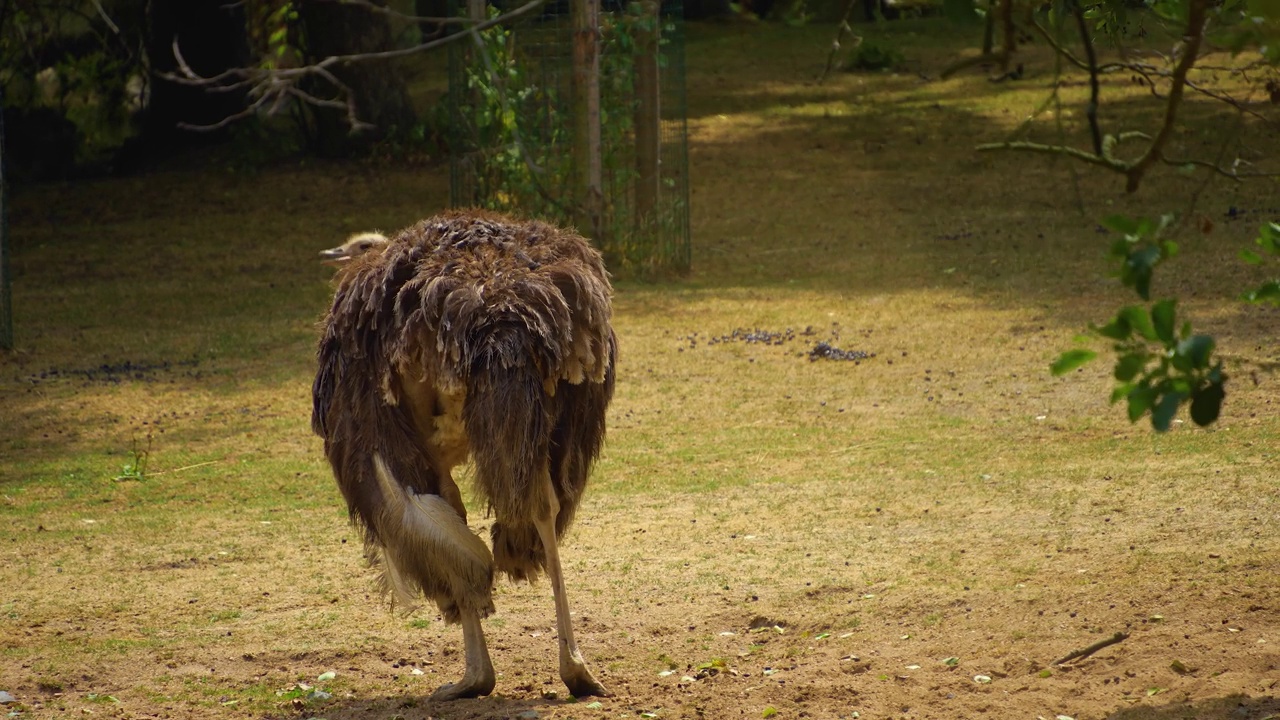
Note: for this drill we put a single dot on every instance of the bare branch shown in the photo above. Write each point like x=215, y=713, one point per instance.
x=1194, y=35
x=1067, y=150
x=1230, y=173
x=843, y=29
x=272, y=87
x=1067, y=55
x=97, y=4
x=1091, y=112
x=393, y=13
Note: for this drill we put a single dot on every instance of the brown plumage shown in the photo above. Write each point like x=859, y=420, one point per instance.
x=467, y=335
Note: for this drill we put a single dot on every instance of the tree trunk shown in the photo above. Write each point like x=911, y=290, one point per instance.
x=1008, y=34
x=210, y=34
x=589, y=184
x=375, y=87
x=648, y=116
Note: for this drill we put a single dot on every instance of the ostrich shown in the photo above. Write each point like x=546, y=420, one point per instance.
x=467, y=334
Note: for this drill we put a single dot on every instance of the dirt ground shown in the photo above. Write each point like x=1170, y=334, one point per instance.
x=699, y=612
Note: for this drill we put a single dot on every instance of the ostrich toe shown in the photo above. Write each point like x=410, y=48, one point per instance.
x=581, y=683
x=467, y=687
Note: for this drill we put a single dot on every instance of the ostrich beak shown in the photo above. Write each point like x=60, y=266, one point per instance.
x=354, y=247
x=335, y=257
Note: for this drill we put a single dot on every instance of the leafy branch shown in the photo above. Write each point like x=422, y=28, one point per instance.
x=1160, y=364
x=1269, y=241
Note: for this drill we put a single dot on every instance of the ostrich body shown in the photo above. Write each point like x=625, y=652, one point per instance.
x=467, y=335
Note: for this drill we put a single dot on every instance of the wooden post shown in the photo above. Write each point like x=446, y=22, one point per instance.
x=648, y=117
x=588, y=181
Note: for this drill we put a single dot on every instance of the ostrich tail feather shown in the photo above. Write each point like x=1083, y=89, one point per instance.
x=425, y=544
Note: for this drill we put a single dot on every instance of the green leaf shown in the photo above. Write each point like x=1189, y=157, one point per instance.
x=1164, y=410
x=1121, y=392
x=1070, y=360
x=1251, y=257
x=1138, y=269
x=1147, y=226
x=1163, y=316
x=1117, y=329
x=1206, y=404
x=1268, y=292
x=1140, y=399
x=769, y=711
x=1269, y=238
x=1197, y=349
x=1128, y=366
x=1121, y=223
x=1138, y=319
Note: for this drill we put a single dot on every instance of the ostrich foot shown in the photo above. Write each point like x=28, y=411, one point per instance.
x=467, y=687
x=478, y=678
x=581, y=683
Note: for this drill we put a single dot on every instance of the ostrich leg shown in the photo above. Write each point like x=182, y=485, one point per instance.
x=573, y=670
x=478, y=679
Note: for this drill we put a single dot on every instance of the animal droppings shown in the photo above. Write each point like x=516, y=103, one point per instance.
x=827, y=351
x=823, y=350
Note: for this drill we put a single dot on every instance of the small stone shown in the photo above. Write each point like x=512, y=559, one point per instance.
x=6, y=698
x=528, y=715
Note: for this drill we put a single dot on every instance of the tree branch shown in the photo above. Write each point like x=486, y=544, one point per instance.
x=1091, y=112
x=1196, y=16
x=835, y=44
x=273, y=86
x=1088, y=157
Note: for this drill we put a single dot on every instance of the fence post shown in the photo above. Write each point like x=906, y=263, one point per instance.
x=588, y=180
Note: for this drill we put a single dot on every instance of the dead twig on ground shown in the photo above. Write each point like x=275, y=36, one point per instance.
x=1087, y=651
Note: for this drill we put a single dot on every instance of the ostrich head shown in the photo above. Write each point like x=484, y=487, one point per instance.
x=354, y=247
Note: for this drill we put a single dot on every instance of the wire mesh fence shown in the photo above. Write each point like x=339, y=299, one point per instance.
x=512, y=135
x=6, y=296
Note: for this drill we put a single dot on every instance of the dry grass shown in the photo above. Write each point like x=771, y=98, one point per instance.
x=943, y=498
